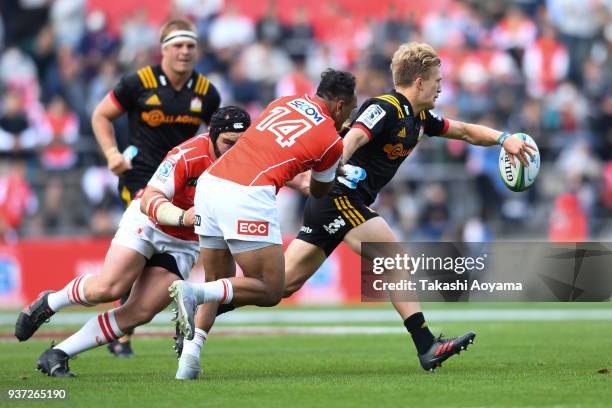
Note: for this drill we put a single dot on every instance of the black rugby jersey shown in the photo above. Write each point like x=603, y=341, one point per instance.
x=394, y=131
x=160, y=117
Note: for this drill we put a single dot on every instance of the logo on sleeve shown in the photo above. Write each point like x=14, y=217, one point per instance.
x=371, y=116
x=164, y=170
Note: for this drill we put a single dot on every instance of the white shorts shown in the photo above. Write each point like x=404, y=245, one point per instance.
x=138, y=232
x=236, y=212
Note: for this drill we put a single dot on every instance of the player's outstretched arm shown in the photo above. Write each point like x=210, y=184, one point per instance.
x=354, y=139
x=101, y=122
x=485, y=136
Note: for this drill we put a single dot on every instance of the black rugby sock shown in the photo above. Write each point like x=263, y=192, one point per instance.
x=421, y=336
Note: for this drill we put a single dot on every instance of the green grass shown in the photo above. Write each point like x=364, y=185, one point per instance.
x=536, y=364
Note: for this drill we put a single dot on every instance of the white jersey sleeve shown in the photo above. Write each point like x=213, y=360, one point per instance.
x=163, y=179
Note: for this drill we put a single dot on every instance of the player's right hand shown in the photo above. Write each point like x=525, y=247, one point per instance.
x=189, y=217
x=352, y=176
x=118, y=164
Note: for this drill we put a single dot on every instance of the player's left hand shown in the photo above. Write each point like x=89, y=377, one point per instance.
x=352, y=175
x=519, y=148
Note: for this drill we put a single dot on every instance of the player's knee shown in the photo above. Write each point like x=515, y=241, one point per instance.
x=291, y=288
x=272, y=298
x=141, y=316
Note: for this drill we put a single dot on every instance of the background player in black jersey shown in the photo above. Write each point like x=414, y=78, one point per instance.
x=166, y=104
x=386, y=130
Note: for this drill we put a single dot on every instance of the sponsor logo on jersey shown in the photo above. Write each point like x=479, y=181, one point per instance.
x=192, y=181
x=196, y=104
x=305, y=229
x=371, y=116
x=153, y=100
x=334, y=226
x=257, y=228
x=156, y=117
x=395, y=151
x=307, y=109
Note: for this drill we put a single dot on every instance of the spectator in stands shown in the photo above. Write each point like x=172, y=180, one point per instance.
x=68, y=21
x=16, y=132
x=16, y=199
x=97, y=45
x=59, y=132
x=545, y=63
x=568, y=222
x=231, y=29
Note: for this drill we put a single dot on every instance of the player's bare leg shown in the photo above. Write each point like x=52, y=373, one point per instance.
x=262, y=285
x=377, y=230
x=149, y=297
x=122, y=266
x=302, y=260
x=432, y=352
x=220, y=265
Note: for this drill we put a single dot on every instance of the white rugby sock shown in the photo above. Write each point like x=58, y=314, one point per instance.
x=194, y=347
x=96, y=332
x=72, y=294
x=220, y=291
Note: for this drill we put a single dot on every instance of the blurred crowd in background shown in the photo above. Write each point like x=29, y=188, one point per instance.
x=534, y=66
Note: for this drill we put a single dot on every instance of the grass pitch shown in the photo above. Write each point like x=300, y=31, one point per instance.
x=535, y=364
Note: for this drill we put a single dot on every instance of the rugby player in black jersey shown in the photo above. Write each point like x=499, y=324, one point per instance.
x=166, y=104
x=386, y=130
x=384, y=133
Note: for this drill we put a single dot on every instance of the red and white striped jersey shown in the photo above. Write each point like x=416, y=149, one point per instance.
x=177, y=176
x=292, y=135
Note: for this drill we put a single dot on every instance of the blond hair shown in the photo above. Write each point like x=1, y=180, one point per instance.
x=412, y=61
x=175, y=25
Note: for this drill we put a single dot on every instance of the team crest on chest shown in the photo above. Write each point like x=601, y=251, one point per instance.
x=196, y=104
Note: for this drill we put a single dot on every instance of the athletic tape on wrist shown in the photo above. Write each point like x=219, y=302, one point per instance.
x=502, y=138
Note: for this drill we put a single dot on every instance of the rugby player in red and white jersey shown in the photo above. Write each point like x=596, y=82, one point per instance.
x=150, y=250
x=236, y=198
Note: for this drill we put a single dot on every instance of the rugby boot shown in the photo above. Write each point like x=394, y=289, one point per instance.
x=442, y=349
x=33, y=316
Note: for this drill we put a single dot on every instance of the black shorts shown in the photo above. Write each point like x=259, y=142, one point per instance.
x=127, y=192
x=327, y=220
x=165, y=261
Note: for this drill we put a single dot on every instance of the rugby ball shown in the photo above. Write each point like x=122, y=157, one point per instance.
x=519, y=177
